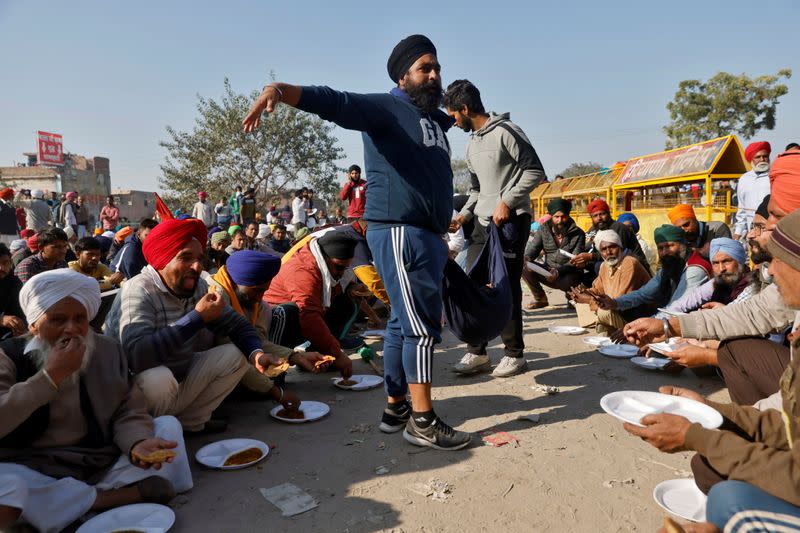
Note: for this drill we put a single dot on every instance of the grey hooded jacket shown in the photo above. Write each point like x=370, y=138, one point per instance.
x=503, y=166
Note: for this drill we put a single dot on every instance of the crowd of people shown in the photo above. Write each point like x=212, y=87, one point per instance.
x=118, y=341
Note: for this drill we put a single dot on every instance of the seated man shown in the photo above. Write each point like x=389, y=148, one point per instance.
x=731, y=281
x=242, y=283
x=557, y=235
x=52, y=246
x=217, y=256
x=619, y=274
x=600, y=212
x=278, y=241
x=12, y=322
x=74, y=435
x=698, y=234
x=751, y=464
x=238, y=242
x=630, y=220
x=312, y=290
x=130, y=259
x=681, y=270
x=88, y=264
x=166, y=320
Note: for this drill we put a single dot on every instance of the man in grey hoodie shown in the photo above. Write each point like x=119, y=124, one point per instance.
x=504, y=170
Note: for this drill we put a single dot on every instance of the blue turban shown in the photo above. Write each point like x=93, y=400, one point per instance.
x=629, y=217
x=249, y=268
x=213, y=230
x=728, y=247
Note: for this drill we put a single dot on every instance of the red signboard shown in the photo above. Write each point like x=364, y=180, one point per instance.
x=688, y=160
x=51, y=148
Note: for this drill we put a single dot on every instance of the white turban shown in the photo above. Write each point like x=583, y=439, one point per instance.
x=607, y=235
x=44, y=290
x=37, y=193
x=263, y=231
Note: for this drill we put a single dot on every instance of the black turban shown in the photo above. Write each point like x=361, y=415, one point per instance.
x=762, y=209
x=338, y=245
x=559, y=204
x=405, y=53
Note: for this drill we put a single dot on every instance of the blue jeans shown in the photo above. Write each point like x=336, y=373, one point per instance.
x=735, y=506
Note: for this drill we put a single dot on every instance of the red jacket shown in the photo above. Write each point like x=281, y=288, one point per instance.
x=356, y=194
x=300, y=281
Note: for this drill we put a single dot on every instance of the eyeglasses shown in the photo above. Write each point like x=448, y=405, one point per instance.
x=758, y=229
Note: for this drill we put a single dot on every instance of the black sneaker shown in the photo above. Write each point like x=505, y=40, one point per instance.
x=393, y=421
x=351, y=343
x=438, y=435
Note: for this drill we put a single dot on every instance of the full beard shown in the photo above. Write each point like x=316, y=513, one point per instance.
x=761, y=167
x=727, y=281
x=427, y=97
x=244, y=300
x=41, y=356
x=672, y=265
x=613, y=261
x=758, y=254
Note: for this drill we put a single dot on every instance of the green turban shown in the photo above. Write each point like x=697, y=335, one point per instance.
x=219, y=237
x=233, y=229
x=301, y=233
x=669, y=233
x=559, y=204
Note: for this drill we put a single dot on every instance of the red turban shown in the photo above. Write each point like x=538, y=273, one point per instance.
x=753, y=148
x=681, y=211
x=7, y=193
x=33, y=243
x=24, y=234
x=598, y=204
x=170, y=237
x=784, y=180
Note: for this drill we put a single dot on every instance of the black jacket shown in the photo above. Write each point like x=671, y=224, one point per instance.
x=629, y=242
x=574, y=242
x=8, y=220
x=9, y=299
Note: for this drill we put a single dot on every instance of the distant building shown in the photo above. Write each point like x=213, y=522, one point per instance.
x=134, y=205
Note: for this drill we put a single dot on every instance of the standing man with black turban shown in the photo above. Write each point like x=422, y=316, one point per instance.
x=410, y=184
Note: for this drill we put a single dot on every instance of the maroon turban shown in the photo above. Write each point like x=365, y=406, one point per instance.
x=170, y=237
x=598, y=204
x=7, y=193
x=753, y=148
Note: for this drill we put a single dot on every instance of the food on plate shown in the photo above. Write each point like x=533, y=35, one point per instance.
x=243, y=457
x=291, y=413
x=348, y=382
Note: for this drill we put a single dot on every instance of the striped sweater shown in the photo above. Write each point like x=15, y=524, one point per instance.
x=157, y=328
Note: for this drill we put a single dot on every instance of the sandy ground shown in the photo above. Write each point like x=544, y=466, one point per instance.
x=556, y=479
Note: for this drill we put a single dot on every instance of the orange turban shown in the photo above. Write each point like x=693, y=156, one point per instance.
x=681, y=211
x=753, y=148
x=7, y=193
x=123, y=234
x=784, y=180
x=170, y=237
x=598, y=204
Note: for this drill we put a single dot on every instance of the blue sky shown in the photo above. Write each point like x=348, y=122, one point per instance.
x=585, y=80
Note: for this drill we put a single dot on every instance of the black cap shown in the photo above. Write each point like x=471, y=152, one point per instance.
x=338, y=245
x=405, y=53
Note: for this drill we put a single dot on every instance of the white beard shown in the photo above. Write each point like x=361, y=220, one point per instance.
x=41, y=355
x=761, y=167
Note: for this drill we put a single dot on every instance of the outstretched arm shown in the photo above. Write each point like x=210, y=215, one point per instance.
x=268, y=99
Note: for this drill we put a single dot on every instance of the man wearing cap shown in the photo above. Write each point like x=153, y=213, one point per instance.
x=410, y=184
x=204, y=211
x=681, y=270
x=37, y=213
x=755, y=457
x=9, y=229
x=242, y=282
x=109, y=215
x=129, y=261
x=74, y=435
x=354, y=193
x=312, y=290
x=52, y=252
x=558, y=235
x=600, y=212
x=698, y=234
x=619, y=274
x=752, y=186
x=166, y=321
x=504, y=169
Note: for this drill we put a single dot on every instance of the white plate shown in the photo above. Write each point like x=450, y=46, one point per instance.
x=620, y=351
x=146, y=517
x=596, y=341
x=567, y=330
x=373, y=333
x=682, y=498
x=213, y=455
x=365, y=381
x=671, y=313
x=633, y=405
x=312, y=411
x=666, y=348
x=650, y=363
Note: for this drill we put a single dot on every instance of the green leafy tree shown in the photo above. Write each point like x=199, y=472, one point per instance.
x=290, y=149
x=725, y=104
x=579, y=169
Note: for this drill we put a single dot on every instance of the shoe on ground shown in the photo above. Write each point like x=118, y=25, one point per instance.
x=438, y=435
x=351, y=343
x=510, y=366
x=537, y=304
x=472, y=363
x=393, y=421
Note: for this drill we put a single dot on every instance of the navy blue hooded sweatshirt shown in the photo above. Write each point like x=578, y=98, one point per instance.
x=130, y=259
x=406, y=154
